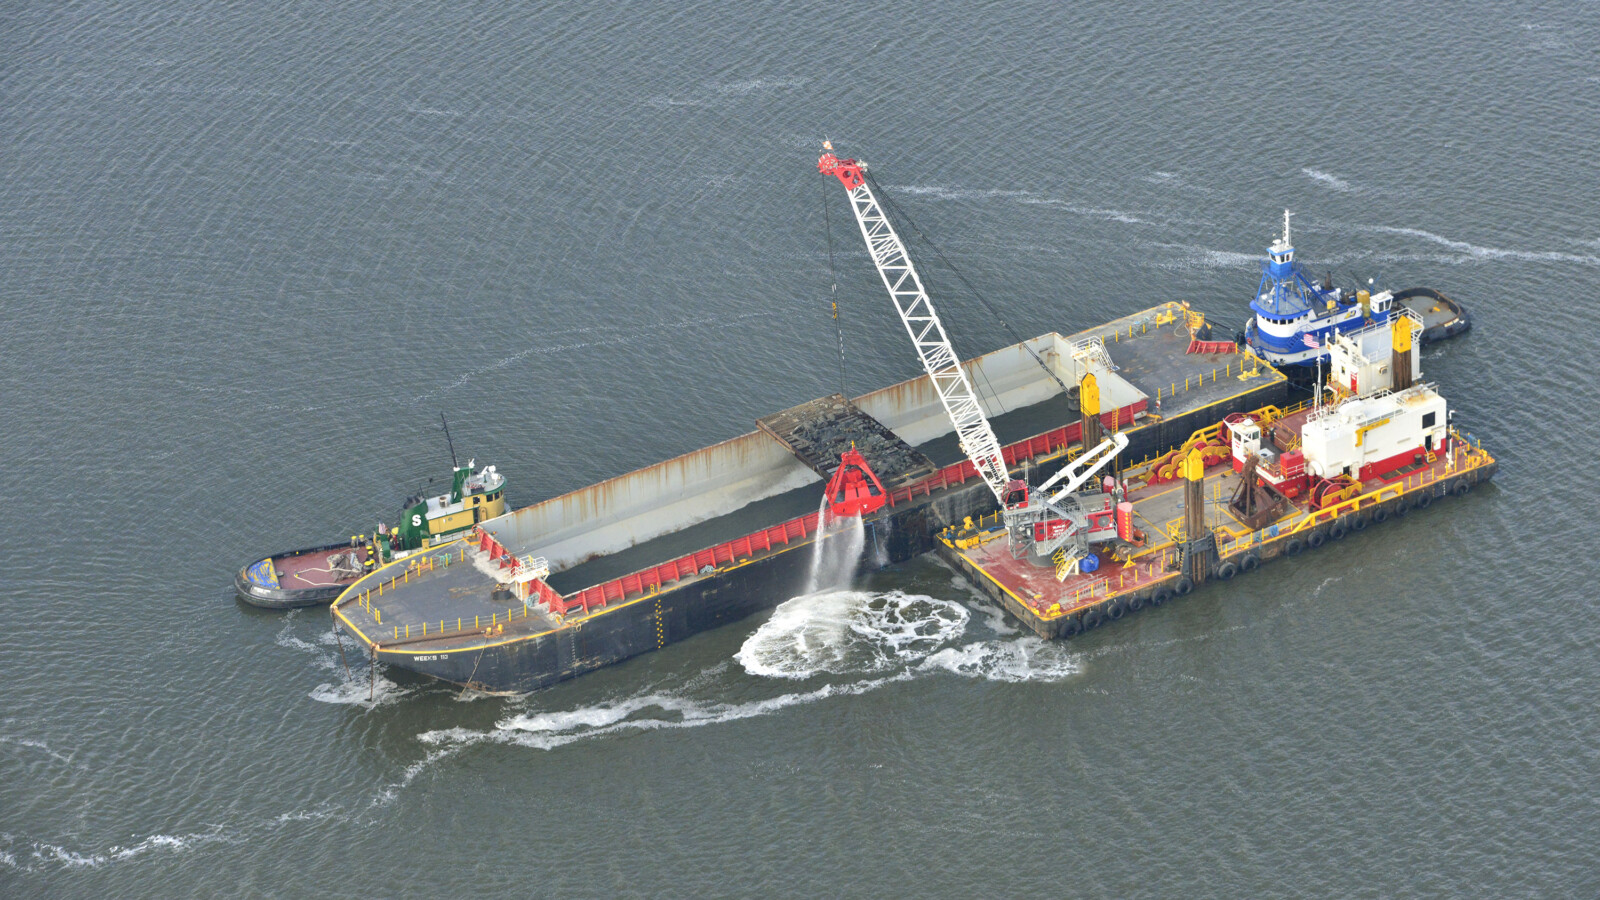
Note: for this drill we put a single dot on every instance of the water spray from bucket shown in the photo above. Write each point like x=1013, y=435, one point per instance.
x=853, y=493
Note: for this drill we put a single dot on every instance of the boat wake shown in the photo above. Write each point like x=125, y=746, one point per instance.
x=358, y=690
x=323, y=653
x=1475, y=252
x=31, y=856
x=1022, y=659
x=1333, y=182
x=873, y=639
x=361, y=686
x=654, y=711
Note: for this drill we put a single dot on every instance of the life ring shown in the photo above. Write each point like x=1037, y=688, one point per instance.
x=1338, y=529
x=1294, y=547
x=1425, y=501
x=1135, y=603
x=1316, y=539
x=1249, y=562
x=1115, y=610
x=1071, y=627
x=1380, y=515
x=1184, y=586
x=1161, y=596
x=1227, y=570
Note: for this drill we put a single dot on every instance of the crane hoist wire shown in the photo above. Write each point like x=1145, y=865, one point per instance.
x=899, y=213
x=833, y=288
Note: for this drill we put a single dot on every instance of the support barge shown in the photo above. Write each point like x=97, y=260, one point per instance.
x=1250, y=489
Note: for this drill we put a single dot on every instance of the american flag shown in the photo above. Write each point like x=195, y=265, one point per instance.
x=1311, y=341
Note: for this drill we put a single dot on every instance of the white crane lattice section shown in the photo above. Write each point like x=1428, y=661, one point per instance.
x=938, y=357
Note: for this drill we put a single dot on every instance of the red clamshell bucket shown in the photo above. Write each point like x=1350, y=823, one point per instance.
x=854, y=490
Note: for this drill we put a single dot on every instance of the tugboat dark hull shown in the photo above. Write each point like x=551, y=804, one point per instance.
x=1442, y=318
x=294, y=578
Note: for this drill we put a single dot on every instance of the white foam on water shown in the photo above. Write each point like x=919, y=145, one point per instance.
x=390, y=792
x=356, y=691
x=757, y=84
x=1024, y=659
x=287, y=638
x=326, y=811
x=944, y=193
x=45, y=853
x=42, y=747
x=1331, y=181
x=647, y=712
x=631, y=336
x=892, y=638
x=1206, y=258
x=1092, y=212
x=837, y=632
x=1478, y=252
x=993, y=616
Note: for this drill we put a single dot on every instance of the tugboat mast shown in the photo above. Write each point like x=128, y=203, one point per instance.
x=449, y=443
x=1285, y=291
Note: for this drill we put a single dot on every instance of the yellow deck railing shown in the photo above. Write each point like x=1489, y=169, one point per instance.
x=497, y=622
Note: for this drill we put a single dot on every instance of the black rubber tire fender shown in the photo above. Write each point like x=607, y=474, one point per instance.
x=1461, y=488
x=1183, y=587
x=1380, y=515
x=1294, y=547
x=1135, y=603
x=1425, y=500
x=1116, y=610
x=1091, y=619
x=1227, y=570
x=1249, y=562
x=1316, y=540
x=1338, y=530
x=1360, y=522
x=1160, y=597
x=1071, y=627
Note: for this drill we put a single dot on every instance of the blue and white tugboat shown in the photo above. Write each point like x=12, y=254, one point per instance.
x=1296, y=319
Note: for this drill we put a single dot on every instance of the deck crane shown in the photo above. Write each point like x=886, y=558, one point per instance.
x=1039, y=524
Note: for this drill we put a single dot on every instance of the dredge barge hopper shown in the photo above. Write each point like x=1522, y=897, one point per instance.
x=630, y=565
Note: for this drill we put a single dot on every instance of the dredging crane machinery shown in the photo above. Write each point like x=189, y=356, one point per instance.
x=1055, y=523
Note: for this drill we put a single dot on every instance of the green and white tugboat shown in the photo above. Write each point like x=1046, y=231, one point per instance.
x=317, y=575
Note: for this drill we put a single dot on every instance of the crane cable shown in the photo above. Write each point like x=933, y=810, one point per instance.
x=833, y=289
x=900, y=213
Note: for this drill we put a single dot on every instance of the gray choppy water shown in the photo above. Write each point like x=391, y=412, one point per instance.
x=249, y=251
